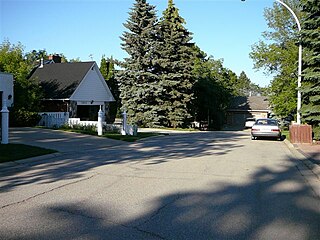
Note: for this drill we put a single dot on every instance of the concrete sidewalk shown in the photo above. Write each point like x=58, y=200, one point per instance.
x=310, y=151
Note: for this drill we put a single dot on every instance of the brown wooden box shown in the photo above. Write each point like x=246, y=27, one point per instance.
x=300, y=133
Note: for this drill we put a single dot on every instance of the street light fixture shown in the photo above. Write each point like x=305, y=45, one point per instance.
x=299, y=60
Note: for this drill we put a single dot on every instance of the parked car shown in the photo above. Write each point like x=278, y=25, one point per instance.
x=266, y=127
x=249, y=122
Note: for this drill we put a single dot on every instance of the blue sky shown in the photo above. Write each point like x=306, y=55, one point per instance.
x=225, y=29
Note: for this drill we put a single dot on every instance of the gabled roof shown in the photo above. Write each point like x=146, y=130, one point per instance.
x=60, y=80
x=252, y=103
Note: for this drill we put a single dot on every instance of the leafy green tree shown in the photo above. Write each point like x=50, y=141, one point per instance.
x=27, y=93
x=211, y=98
x=107, y=69
x=137, y=80
x=311, y=75
x=278, y=55
x=174, y=64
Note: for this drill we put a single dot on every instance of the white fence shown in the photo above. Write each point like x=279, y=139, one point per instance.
x=58, y=119
x=53, y=119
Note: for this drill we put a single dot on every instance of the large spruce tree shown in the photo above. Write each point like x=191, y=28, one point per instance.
x=137, y=79
x=311, y=82
x=174, y=64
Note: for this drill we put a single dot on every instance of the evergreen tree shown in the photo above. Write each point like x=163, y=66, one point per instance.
x=137, y=79
x=311, y=83
x=108, y=72
x=243, y=84
x=174, y=64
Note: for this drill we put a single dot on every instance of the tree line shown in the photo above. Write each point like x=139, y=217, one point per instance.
x=167, y=80
x=277, y=55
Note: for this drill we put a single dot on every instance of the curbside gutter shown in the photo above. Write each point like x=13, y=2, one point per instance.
x=305, y=166
x=29, y=160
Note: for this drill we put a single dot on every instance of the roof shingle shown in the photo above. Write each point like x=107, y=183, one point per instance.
x=60, y=80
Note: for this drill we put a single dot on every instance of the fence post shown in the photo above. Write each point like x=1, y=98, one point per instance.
x=124, y=123
x=5, y=123
x=100, y=122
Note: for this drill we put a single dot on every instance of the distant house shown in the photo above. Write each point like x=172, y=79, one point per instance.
x=76, y=88
x=247, y=107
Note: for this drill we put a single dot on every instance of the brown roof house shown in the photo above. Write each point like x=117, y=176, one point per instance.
x=74, y=90
x=242, y=108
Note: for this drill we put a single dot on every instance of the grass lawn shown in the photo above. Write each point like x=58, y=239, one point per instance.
x=113, y=135
x=12, y=152
x=128, y=138
x=286, y=133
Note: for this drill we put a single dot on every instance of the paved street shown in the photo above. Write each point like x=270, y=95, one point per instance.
x=203, y=185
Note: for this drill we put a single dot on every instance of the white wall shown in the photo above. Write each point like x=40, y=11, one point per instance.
x=92, y=88
x=6, y=86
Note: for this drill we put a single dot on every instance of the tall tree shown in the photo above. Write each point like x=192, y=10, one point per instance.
x=211, y=98
x=108, y=72
x=278, y=55
x=311, y=82
x=137, y=79
x=243, y=84
x=174, y=63
x=27, y=93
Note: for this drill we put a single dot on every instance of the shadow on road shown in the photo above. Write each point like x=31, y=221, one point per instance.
x=75, y=164
x=272, y=205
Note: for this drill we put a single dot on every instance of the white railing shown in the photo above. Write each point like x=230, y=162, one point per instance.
x=53, y=119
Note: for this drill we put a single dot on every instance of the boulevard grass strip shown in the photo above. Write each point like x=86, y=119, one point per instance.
x=129, y=138
x=114, y=135
x=286, y=134
x=12, y=152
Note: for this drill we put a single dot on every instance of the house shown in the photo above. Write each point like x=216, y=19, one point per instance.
x=247, y=107
x=76, y=89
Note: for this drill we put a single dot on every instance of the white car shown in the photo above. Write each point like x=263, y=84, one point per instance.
x=266, y=127
x=249, y=122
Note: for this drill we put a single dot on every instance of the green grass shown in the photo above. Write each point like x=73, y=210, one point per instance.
x=12, y=152
x=129, y=138
x=114, y=135
x=286, y=133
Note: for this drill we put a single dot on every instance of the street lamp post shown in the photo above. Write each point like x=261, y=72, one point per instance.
x=299, y=60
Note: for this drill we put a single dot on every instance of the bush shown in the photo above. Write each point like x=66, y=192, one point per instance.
x=23, y=118
x=316, y=133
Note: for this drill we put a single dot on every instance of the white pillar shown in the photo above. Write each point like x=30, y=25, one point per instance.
x=124, y=123
x=100, y=122
x=5, y=123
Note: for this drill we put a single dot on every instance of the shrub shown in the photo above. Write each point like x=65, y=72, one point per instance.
x=23, y=118
x=316, y=133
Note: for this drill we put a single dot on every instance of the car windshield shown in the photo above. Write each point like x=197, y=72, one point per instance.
x=267, y=122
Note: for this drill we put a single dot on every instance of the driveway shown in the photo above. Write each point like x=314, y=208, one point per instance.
x=207, y=185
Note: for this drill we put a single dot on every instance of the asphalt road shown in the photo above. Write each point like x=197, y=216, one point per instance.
x=208, y=185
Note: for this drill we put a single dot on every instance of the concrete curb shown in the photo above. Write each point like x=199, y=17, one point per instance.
x=305, y=166
x=29, y=160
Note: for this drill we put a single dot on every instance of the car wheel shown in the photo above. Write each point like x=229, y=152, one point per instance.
x=253, y=138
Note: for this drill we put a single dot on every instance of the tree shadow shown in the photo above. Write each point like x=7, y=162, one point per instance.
x=272, y=204
x=74, y=164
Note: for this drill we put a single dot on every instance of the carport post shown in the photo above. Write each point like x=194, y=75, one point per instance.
x=100, y=122
x=5, y=123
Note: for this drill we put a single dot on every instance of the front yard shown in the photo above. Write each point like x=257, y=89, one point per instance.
x=12, y=152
